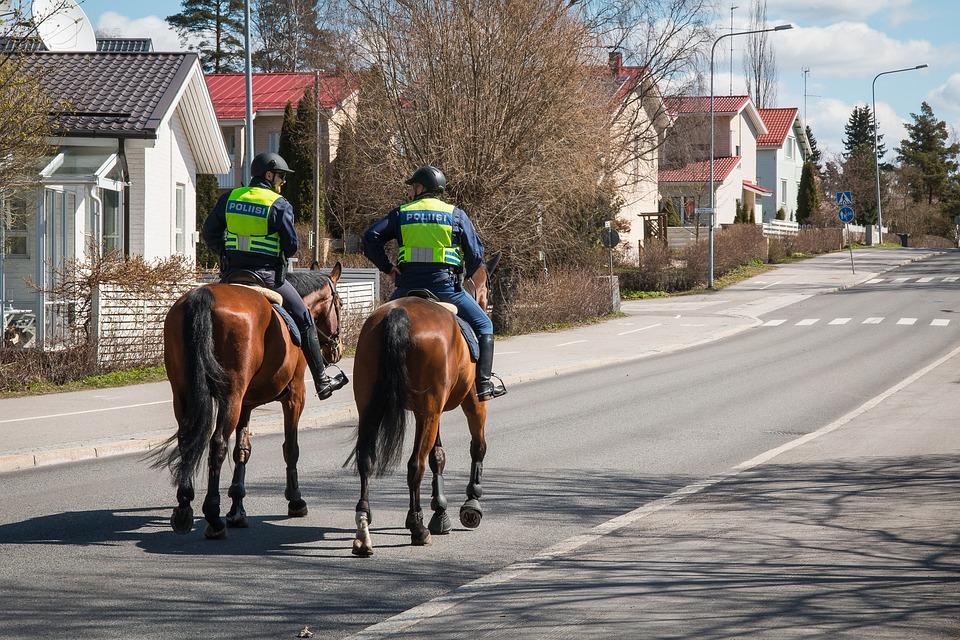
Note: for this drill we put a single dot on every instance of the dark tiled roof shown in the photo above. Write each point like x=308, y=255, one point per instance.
x=111, y=94
x=124, y=45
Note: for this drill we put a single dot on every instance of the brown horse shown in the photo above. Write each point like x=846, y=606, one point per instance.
x=411, y=356
x=225, y=346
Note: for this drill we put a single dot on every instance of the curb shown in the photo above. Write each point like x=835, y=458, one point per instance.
x=269, y=425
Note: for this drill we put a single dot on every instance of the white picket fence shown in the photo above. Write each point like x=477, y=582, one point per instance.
x=780, y=228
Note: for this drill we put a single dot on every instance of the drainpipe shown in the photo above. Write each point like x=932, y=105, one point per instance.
x=97, y=221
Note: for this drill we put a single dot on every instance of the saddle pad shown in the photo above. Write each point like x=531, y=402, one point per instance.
x=449, y=306
x=271, y=295
x=470, y=337
x=291, y=325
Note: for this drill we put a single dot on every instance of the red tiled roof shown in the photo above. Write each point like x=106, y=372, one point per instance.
x=701, y=104
x=625, y=81
x=272, y=91
x=779, y=122
x=756, y=187
x=700, y=171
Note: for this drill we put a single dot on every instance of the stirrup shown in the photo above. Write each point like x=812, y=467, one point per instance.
x=335, y=383
x=495, y=391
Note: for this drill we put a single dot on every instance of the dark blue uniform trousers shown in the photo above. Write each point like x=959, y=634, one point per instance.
x=445, y=286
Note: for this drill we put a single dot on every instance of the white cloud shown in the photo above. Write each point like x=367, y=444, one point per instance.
x=828, y=116
x=164, y=37
x=833, y=10
x=947, y=95
x=851, y=48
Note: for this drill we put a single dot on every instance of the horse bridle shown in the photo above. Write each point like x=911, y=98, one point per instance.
x=337, y=305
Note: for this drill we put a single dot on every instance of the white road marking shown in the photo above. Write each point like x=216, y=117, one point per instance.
x=563, y=344
x=840, y=321
x=899, y=280
x=773, y=323
x=437, y=606
x=939, y=322
x=951, y=278
x=907, y=321
x=927, y=279
x=508, y=353
x=875, y=281
x=806, y=322
x=771, y=284
x=872, y=321
x=77, y=413
x=649, y=326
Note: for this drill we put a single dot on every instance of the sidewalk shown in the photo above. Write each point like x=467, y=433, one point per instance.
x=42, y=430
x=847, y=532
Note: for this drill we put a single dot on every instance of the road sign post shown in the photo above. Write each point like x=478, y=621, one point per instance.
x=846, y=215
x=610, y=238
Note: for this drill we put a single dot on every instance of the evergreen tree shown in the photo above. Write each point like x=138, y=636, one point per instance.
x=815, y=156
x=206, y=196
x=214, y=28
x=738, y=213
x=299, y=189
x=928, y=156
x=858, y=133
x=673, y=218
x=808, y=198
x=288, y=136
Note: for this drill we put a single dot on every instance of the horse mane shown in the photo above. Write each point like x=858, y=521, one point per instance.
x=306, y=282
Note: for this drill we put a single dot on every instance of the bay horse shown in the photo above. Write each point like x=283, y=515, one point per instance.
x=226, y=348
x=411, y=356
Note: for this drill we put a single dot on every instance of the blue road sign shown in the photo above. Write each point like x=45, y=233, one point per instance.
x=846, y=214
x=844, y=198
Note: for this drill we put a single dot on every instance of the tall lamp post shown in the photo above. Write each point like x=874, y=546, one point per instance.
x=713, y=204
x=248, y=81
x=876, y=151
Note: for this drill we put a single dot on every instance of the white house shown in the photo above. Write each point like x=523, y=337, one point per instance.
x=271, y=93
x=640, y=119
x=781, y=153
x=139, y=128
x=685, y=157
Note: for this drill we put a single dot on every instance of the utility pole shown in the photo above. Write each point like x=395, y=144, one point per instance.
x=317, y=200
x=248, y=122
x=806, y=72
x=732, y=7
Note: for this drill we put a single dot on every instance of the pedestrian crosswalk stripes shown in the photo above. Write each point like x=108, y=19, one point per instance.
x=913, y=280
x=808, y=322
x=951, y=278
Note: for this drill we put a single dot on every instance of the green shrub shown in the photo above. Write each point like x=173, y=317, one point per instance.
x=781, y=214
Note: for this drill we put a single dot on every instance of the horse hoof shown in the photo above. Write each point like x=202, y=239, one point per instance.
x=361, y=550
x=182, y=520
x=470, y=514
x=420, y=538
x=214, y=533
x=238, y=521
x=440, y=524
x=297, y=508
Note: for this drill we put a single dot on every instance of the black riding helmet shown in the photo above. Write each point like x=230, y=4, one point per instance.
x=268, y=161
x=430, y=177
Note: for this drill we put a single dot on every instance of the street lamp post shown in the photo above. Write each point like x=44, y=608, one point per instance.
x=876, y=149
x=248, y=81
x=713, y=204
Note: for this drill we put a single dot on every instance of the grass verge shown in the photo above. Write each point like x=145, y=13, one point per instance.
x=139, y=375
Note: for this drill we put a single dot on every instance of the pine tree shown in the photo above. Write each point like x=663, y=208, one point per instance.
x=808, y=198
x=928, y=156
x=300, y=187
x=214, y=28
x=288, y=134
x=858, y=133
x=815, y=156
x=206, y=197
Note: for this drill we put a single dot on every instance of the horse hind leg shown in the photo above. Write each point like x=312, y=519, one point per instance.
x=228, y=415
x=471, y=512
x=363, y=544
x=427, y=428
x=237, y=516
x=292, y=408
x=440, y=522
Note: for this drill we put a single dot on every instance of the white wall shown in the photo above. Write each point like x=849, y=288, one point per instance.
x=773, y=165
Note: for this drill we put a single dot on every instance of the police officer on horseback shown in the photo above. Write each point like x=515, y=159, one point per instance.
x=437, y=246
x=251, y=229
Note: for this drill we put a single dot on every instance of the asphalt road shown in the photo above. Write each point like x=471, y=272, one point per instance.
x=86, y=551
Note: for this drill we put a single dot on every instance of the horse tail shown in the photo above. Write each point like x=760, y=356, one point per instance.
x=384, y=422
x=204, y=381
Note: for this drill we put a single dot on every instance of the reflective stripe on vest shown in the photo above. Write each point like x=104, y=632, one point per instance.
x=426, y=233
x=248, y=211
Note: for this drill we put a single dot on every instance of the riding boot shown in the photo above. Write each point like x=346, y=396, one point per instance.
x=310, y=344
x=486, y=388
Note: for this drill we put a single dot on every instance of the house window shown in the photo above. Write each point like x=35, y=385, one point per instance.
x=230, y=139
x=273, y=142
x=789, y=148
x=112, y=223
x=783, y=192
x=180, y=218
x=15, y=227
x=738, y=151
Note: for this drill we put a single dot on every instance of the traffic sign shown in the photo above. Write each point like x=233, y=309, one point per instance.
x=703, y=211
x=610, y=238
x=844, y=198
x=846, y=214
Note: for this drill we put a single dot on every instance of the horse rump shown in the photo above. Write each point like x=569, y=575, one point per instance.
x=202, y=382
x=383, y=422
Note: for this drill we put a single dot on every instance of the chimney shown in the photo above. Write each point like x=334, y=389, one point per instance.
x=615, y=61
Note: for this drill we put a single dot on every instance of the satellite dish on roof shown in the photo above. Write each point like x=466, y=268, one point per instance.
x=63, y=26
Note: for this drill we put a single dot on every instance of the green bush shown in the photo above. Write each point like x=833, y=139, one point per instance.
x=781, y=214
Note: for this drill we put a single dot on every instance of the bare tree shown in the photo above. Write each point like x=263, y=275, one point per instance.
x=293, y=35
x=759, y=60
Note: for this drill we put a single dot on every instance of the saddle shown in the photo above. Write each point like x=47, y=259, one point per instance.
x=465, y=329
x=250, y=280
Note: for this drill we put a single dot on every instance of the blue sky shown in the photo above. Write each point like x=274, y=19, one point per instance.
x=844, y=43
